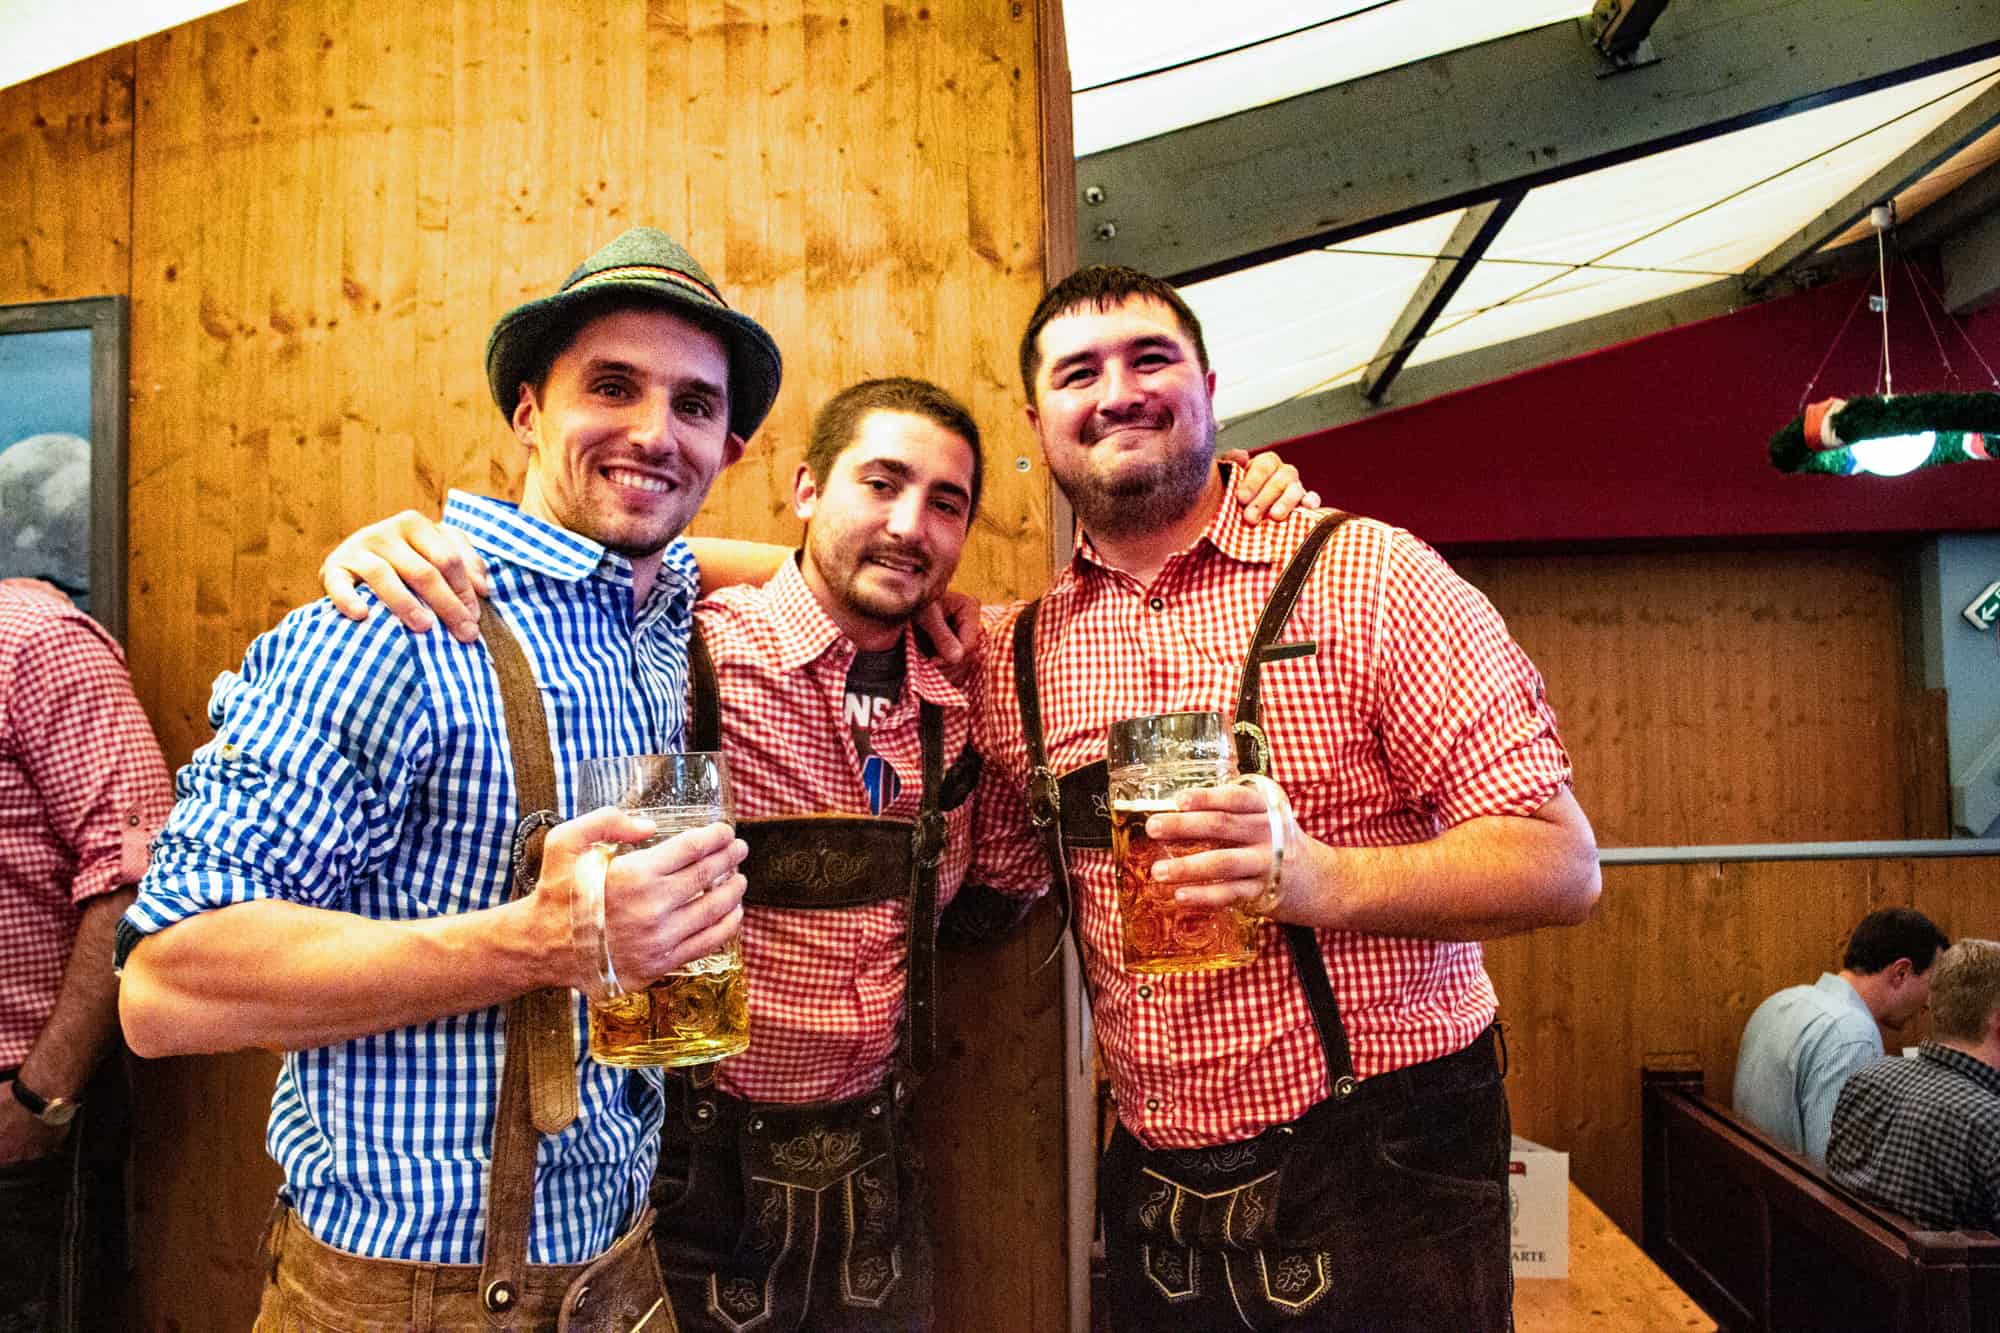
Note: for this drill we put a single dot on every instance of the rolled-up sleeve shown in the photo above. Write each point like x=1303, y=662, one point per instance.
x=93, y=761
x=319, y=742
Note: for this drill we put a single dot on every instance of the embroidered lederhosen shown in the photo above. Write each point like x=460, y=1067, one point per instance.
x=1221, y=1198
x=802, y=1169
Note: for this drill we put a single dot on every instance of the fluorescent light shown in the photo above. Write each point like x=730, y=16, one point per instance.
x=1893, y=455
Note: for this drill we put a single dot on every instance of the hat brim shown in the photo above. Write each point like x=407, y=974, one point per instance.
x=755, y=368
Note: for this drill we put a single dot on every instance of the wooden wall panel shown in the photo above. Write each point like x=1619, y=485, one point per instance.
x=66, y=212
x=1722, y=696
x=335, y=200
x=1672, y=963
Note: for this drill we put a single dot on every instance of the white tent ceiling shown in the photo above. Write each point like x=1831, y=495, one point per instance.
x=1571, y=250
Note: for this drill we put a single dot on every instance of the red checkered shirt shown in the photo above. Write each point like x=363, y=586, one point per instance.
x=826, y=986
x=82, y=789
x=1417, y=712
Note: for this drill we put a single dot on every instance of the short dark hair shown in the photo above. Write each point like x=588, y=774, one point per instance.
x=839, y=422
x=1102, y=287
x=1889, y=934
x=563, y=329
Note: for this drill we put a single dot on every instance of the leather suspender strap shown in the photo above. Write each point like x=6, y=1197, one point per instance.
x=927, y=847
x=704, y=698
x=1253, y=755
x=1044, y=791
x=1253, y=751
x=538, y=1087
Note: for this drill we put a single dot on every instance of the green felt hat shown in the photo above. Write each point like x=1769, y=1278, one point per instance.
x=648, y=265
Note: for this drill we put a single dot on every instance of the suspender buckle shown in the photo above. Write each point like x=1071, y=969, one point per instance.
x=1044, y=796
x=523, y=832
x=929, y=839
x=1259, y=748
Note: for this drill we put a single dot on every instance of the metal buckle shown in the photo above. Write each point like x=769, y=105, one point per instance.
x=1044, y=796
x=930, y=839
x=540, y=819
x=1260, y=747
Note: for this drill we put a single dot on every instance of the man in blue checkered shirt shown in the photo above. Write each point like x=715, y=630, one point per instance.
x=335, y=881
x=1922, y=1136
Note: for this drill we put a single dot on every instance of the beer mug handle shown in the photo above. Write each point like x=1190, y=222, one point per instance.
x=586, y=921
x=1278, y=807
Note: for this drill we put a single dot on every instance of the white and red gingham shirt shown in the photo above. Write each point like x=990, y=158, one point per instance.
x=826, y=986
x=1416, y=713
x=82, y=789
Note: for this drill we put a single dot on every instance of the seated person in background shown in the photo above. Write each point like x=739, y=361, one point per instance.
x=1922, y=1136
x=1803, y=1042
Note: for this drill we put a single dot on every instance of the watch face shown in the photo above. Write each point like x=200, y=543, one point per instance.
x=48, y=1110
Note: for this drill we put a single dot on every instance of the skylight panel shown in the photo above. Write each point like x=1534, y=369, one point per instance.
x=1349, y=41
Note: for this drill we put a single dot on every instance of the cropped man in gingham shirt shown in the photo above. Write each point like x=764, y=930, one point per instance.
x=1922, y=1136
x=334, y=883
x=1432, y=809
x=82, y=788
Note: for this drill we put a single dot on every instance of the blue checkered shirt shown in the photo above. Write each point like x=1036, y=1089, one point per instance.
x=1922, y=1137
x=361, y=768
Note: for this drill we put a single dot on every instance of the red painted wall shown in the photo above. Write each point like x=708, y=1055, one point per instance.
x=1665, y=436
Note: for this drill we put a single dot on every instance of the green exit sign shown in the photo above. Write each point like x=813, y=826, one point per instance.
x=1984, y=612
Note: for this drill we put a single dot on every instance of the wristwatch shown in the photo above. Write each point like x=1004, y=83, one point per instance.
x=52, y=1111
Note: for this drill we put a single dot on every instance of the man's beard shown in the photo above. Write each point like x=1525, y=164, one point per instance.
x=1145, y=501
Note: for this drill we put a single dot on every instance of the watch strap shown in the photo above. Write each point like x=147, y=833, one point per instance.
x=48, y=1110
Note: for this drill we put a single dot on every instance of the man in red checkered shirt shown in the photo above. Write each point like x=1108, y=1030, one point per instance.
x=82, y=787
x=1318, y=1139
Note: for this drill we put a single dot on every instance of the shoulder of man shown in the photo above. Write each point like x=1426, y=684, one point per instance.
x=29, y=618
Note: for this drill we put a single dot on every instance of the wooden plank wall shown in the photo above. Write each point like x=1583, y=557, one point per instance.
x=319, y=207
x=1722, y=696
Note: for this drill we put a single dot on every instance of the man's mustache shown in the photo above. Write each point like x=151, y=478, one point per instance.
x=1096, y=428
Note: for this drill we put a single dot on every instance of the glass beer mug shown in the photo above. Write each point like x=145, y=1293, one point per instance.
x=701, y=1012
x=1152, y=760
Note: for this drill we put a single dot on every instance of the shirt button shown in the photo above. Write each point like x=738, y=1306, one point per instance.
x=1152, y=1103
x=1145, y=992
x=1157, y=603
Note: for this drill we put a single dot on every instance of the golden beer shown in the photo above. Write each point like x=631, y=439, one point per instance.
x=691, y=1016
x=1162, y=935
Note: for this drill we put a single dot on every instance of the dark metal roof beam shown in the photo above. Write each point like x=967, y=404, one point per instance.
x=1469, y=240
x=1506, y=115
x=1433, y=379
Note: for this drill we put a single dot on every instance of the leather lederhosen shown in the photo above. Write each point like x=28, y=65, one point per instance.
x=771, y=1213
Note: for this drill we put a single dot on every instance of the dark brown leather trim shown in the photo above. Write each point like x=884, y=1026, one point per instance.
x=826, y=861
x=538, y=1088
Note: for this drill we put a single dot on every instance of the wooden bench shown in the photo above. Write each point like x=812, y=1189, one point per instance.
x=1767, y=1244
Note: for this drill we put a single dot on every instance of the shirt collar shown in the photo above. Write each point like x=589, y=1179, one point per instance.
x=1969, y=1066
x=1226, y=533
x=1841, y=989
x=805, y=633
x=498, y=529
